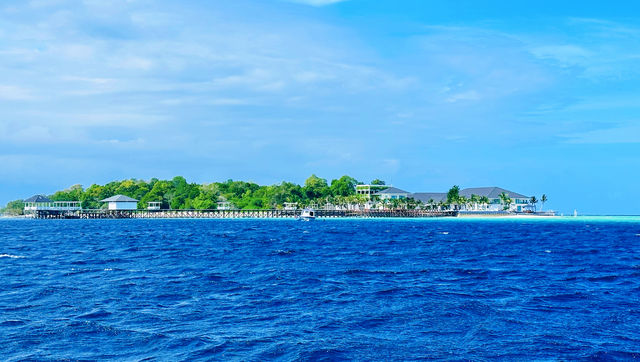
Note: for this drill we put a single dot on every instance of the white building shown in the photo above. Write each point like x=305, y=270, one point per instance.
x=41, y=202
x=391, y=193
x=121, y=202
x=154, y=205
x=290, y=205
x=519, y=203
x=430, y=200
x=369, y=190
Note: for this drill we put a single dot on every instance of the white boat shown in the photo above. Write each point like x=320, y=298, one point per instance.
x=307, y=215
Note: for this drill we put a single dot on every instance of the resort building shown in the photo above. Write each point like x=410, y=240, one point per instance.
x=154, y=205
x=391, y=193
x=519, y=203
x=290, y=205
x=121, y=202
x=369, y=190
x=492, y=201
x=41, y=202
x=430, y=199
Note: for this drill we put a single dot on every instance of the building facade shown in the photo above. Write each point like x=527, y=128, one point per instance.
x=121, y=202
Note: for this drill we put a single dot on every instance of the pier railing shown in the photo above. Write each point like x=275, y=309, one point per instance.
x=233, y=214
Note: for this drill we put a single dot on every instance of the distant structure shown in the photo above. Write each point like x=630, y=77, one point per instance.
x=121, y=202
x=41, y=202
x=430, y=198
x=153, y=205
x=290, y=205
x=520, y=202
x=224, y=205
x=392, y=193
x=369, y=190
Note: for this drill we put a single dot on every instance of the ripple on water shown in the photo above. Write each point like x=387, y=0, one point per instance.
x=334, y=290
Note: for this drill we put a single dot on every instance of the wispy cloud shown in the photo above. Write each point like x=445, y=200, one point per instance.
x=275, y=82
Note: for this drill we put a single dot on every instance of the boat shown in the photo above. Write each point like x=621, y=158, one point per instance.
x=307, y=215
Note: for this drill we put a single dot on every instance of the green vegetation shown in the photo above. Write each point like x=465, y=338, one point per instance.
x=543, y=199
x=505, y=200
x=13, y=208
x=177, y=193
x=533, y=201
x=453, y=196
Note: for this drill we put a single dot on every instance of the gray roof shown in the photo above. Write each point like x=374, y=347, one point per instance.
x=38, y=198
x=392, y=190
x=426, y=196
x=490, y=192
x=119, y=198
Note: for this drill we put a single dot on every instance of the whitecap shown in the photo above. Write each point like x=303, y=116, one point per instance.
x=547, y=251
x=11, y=256
x=445, y=233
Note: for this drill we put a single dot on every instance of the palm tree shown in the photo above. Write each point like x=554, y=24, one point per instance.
x=475, y=199
x=463, y=201
x=543, y=199
x=533, y=202
x=484, y=200
x=505, y=200
x=453, y=196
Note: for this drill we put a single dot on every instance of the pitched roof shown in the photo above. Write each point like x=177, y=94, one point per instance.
x=38, y=198
x=491, y=192
x=392, y=190
x=426, y=196
x=119, y=198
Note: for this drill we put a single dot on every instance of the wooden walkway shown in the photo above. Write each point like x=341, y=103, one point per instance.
x=233, y=214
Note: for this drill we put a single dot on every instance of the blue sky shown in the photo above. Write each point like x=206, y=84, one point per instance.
x=537, y=97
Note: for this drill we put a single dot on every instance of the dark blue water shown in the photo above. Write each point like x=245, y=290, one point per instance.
x=340, y=289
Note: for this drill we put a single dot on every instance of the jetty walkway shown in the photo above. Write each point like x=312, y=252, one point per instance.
x=232, y=214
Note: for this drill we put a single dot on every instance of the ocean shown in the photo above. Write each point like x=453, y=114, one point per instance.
x=346, y=289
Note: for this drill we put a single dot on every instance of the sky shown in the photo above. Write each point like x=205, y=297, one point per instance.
x=538, y=97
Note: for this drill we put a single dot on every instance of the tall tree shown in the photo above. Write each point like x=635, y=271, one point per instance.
x=453, y=195
x=533, y=202
x=505, y=200
x=543, y=199
x=344, y=186
x=316, y=187
x=484, y=200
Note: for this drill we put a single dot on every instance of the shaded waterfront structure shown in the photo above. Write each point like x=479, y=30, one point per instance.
x=154, y=205
x=42, y=203
x=121, y=202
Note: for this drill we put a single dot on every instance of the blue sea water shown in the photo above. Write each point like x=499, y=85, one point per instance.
x=324, y=290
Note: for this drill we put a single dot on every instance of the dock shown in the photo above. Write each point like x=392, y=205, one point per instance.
x=234, y=214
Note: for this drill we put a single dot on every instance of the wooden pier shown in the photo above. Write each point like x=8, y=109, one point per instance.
x=234, y=214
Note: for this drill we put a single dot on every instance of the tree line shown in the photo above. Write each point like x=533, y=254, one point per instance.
x=177, y=193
